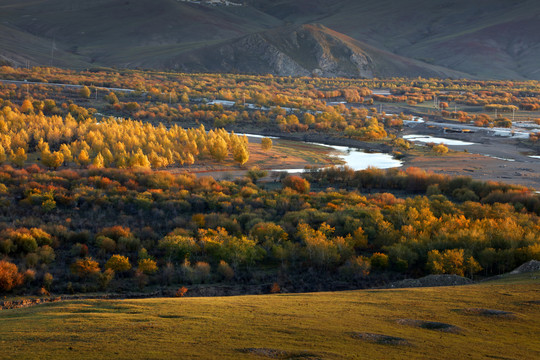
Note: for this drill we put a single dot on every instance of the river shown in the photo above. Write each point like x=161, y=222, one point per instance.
x=354, y=158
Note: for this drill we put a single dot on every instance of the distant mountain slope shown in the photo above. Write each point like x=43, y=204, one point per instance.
x=485, y=38
x=445, y=38
x=310, y=49
x=120, y=32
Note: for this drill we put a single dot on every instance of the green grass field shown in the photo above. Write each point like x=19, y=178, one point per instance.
x=285, y=326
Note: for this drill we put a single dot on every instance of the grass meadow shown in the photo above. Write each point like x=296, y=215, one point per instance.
x=458, y=323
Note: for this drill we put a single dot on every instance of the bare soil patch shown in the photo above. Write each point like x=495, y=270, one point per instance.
x=279, y=354
x=430, y=325
x=431, y=281
x=481, y=168
x=491, y=157
x=284, y=155
x=380, y=339
x=489, y=312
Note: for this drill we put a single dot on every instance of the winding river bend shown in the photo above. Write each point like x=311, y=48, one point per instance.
x=354, y=158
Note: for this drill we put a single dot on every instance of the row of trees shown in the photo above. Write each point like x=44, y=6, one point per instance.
x=112, y=142
x=181, y=97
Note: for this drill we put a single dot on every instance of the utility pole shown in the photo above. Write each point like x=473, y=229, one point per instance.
x=27, y=90
x=96, y=93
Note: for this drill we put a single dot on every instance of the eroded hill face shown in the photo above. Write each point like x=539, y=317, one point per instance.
x=358, y=38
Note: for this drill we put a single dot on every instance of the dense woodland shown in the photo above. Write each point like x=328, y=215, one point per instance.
x=113, y=229
x=84, y=209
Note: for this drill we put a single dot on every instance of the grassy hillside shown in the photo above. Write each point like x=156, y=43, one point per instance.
x=343, y=325
x=488, y=39
x=478, y=38
x=126, y=32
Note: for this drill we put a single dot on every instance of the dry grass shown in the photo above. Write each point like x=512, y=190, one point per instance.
x=318, y=325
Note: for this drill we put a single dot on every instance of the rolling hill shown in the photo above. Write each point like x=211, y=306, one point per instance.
x=493, y=319
x=475, y=38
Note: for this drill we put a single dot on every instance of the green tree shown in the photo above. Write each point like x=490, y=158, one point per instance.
x=19, y=157
x=52, y=160
x=241, y=154
x=3, y=156
x=118, y=263
x=472, y=266
x=98, y=161
x=218, y=149
x=83, y=159
x=379, y=261
x=184, y=98
x=355, y=268
x=85, y=267
x=266, y=144
x=85, y=92
x=147, y=266
x=255, y=173
x=112, y=98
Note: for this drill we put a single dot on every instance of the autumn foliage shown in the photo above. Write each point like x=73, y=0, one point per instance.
x=9, y=276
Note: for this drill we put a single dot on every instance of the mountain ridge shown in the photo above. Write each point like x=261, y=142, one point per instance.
x=476, y=38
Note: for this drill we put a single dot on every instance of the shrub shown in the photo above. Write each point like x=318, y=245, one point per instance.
x=266, y=144
x=275, y=288
x=31, y=259
x=297, y=183
x=181, y=292
x=22, y=239
x=142, y=279
x=29, y=275
x=201, y=272
x=106, y=243
x=440, y=149
x=116, y=232
x=82, y=237
x=41, y=236
x=47, y=281
x=46, y=254
x=379, y=261
x=79, y=250
x=85, y=267
x=105, y=278
x=118, y=263
x=147, y=266
x=128, y=244
x=7, y=246
x=9, y=276
x=356, y=268
x=85, y=92
x=225, y=270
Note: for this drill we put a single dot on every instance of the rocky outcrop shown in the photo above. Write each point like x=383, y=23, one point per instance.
x=287, y=51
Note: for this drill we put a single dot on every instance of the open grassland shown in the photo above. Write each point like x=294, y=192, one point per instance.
x=343, y=325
